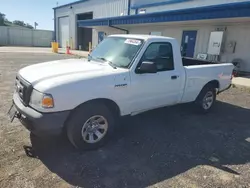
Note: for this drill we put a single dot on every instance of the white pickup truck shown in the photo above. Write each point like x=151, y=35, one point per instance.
x=124, y=75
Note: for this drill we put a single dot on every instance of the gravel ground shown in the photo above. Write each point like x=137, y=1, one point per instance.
x=169, y=147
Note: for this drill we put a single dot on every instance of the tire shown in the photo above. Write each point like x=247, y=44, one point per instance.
x=80, y=129
x=203, y=106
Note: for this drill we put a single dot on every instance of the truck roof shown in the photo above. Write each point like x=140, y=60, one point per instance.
x=143, y=37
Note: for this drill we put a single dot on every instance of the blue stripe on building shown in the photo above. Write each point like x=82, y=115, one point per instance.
x=232, y=10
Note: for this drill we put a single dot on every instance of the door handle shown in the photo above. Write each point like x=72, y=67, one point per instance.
x=174, y=77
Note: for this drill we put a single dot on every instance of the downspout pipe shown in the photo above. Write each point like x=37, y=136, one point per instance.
x=127, y=31
x=129, y=7
x=55, y=31
x=121, y=29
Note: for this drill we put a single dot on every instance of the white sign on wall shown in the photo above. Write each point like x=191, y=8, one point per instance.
x=156, y=33
x=215, y=42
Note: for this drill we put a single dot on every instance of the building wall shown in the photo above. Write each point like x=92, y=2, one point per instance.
x=16, y=36
x=100, y=9
x=235, y=32
x=182, y=5
x=239, y=33
x=107, y=30
x=109, y=8
x=3, y=36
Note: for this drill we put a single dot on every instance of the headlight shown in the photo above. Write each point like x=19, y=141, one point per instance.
x=41, y=100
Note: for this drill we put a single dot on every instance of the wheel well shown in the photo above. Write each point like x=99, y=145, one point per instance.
x=109, y=103
x=214, y=83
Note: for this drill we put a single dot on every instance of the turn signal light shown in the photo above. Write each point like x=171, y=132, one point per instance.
x=47, y=102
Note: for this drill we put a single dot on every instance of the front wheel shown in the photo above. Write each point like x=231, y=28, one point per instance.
x=206, y=99
x=90, y=126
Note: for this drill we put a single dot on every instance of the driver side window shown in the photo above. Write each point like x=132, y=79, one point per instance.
x=161, y=53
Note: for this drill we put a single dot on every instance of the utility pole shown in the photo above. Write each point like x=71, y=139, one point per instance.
x=35, y=24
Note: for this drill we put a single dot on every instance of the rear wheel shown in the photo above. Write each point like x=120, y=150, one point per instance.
x=206, y=99
x=90, y=126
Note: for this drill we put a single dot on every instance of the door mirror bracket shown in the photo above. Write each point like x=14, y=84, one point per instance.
x=147, y=67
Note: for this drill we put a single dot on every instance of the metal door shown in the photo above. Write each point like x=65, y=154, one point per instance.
x=188, y=43
x=64, y=32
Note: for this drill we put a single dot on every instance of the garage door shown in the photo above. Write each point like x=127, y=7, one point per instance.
x=63, y=31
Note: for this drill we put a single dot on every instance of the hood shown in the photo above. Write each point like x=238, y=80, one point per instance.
x=54, y=69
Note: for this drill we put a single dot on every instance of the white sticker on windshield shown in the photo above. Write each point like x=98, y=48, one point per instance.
x=133, y=42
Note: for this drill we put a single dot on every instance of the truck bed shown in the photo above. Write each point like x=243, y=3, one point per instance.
x=200, y=74
x=191, y=61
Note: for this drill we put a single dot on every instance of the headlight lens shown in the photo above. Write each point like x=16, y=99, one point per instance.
x=41, y=100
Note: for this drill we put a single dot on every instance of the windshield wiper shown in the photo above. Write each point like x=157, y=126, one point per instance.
x=109, y=62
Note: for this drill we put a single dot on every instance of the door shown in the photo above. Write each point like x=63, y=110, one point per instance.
x=188, y=43
x=63, y=32
x=159, y=89
x=101, y=36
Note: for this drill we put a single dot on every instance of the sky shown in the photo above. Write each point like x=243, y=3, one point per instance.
x=40, y=11
x=31, y=11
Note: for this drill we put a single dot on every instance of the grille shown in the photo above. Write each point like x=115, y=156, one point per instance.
x=23, y=89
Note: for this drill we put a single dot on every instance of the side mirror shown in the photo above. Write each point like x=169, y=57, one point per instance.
x=147, y=67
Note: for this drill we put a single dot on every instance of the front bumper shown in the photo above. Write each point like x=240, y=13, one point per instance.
x=41, y=124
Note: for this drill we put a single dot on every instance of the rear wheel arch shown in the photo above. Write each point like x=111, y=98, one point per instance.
x=213, y=83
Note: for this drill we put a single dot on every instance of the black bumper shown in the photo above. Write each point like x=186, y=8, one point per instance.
x=40, y=124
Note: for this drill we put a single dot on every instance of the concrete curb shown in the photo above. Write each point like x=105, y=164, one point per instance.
x=241, y=82
x=240, y=86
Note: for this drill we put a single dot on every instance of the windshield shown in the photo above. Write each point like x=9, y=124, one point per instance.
x=117, y=51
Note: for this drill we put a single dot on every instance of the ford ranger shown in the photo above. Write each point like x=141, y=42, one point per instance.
x=123, y=75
